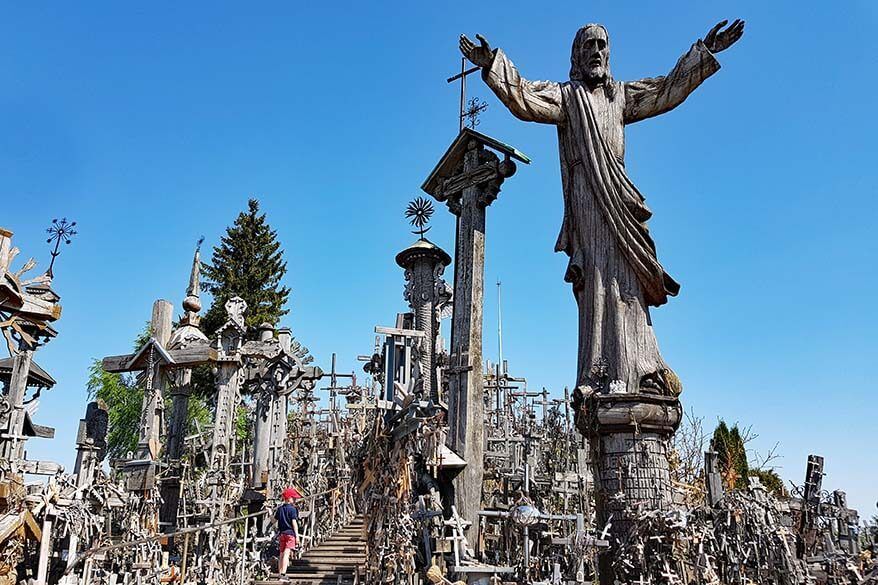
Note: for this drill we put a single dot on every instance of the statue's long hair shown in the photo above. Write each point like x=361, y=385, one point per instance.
x=577, y=69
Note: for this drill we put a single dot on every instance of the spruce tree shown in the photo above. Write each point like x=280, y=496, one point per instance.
x=731, y=455
x=248, y=263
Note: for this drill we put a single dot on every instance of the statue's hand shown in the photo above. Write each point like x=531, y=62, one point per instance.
x=479, y=55
x=719, y=40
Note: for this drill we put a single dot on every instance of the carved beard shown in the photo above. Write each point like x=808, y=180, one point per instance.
x=595, y=75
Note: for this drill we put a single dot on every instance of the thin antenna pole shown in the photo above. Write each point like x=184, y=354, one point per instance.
x=499, y=330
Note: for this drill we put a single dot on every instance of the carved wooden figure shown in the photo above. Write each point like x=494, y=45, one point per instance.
x=613, y=267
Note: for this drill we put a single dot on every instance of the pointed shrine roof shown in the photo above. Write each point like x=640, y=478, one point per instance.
x=141, y=356
x=455, y=152
x=36, y=376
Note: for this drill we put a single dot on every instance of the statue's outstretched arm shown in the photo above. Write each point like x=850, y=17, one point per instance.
x=653, y=96
x=650, y=97
x=531, y=101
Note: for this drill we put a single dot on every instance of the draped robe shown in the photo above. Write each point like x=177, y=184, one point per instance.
x=613, y=267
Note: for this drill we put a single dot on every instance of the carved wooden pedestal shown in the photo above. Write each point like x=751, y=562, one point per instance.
x=629, y=436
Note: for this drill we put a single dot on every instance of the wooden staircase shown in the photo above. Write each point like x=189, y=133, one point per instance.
x=334, y=561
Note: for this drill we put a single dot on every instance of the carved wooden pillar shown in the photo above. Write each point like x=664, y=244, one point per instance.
x=424, y=263
x=278, y=427
x=277, y=439
x=265, y=402
x=13, y=422
x=186, y=334
x=91, y=445
x=468, y=179
x=228, y=381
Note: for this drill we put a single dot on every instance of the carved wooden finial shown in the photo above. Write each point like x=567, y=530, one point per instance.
x=192, y=302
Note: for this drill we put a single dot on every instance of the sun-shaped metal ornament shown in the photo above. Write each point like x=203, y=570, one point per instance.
x=419, y=212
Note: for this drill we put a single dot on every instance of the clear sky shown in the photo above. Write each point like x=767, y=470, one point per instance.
x=151, y=124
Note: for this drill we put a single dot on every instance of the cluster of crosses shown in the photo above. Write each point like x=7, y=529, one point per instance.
x=193, y=505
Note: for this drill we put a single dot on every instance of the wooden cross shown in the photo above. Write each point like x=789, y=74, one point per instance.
x=157, y=360
x=476, y=106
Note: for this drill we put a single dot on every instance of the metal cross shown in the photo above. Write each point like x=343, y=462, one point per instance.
x=58, y=231
x=474, y=109
x=464, y=113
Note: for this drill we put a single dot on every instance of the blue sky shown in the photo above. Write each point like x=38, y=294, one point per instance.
x=151, y=124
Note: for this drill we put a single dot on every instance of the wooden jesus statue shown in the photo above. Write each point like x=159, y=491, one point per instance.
x=613, y=267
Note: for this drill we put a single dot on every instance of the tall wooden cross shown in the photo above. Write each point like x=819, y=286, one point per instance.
x=468, y=180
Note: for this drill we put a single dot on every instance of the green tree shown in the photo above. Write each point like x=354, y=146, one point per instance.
x=731, y=455
x=124, y=400
x=248, y=263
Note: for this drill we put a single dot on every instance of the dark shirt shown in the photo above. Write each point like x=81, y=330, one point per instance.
x=286, y=515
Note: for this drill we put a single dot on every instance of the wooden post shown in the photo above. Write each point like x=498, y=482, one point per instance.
x=90, y=447
x=180, y=392
x=465, y=401
x=45, y=545
x=265, y=405
x=227, y=380
x=13, y=441
x=712, y=478
x=468, y=179
x=153, y=402
x=186, y=334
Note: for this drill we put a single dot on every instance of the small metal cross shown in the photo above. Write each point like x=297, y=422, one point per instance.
x=59, y=231
x=463, y=114
x=474, y=109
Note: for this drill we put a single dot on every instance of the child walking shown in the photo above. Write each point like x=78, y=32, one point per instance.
x=287, y=517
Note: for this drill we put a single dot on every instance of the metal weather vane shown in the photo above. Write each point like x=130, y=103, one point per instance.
x=419, y=212
x=60, y=230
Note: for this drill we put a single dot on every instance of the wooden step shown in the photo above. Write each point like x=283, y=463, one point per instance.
x=338, y=557
x=328, y=565
x=337, y=552
x=278, y=580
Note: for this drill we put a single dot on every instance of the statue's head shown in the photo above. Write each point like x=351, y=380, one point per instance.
x=590, y=56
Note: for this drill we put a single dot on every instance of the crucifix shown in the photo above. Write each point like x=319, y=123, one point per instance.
x=471, y=109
